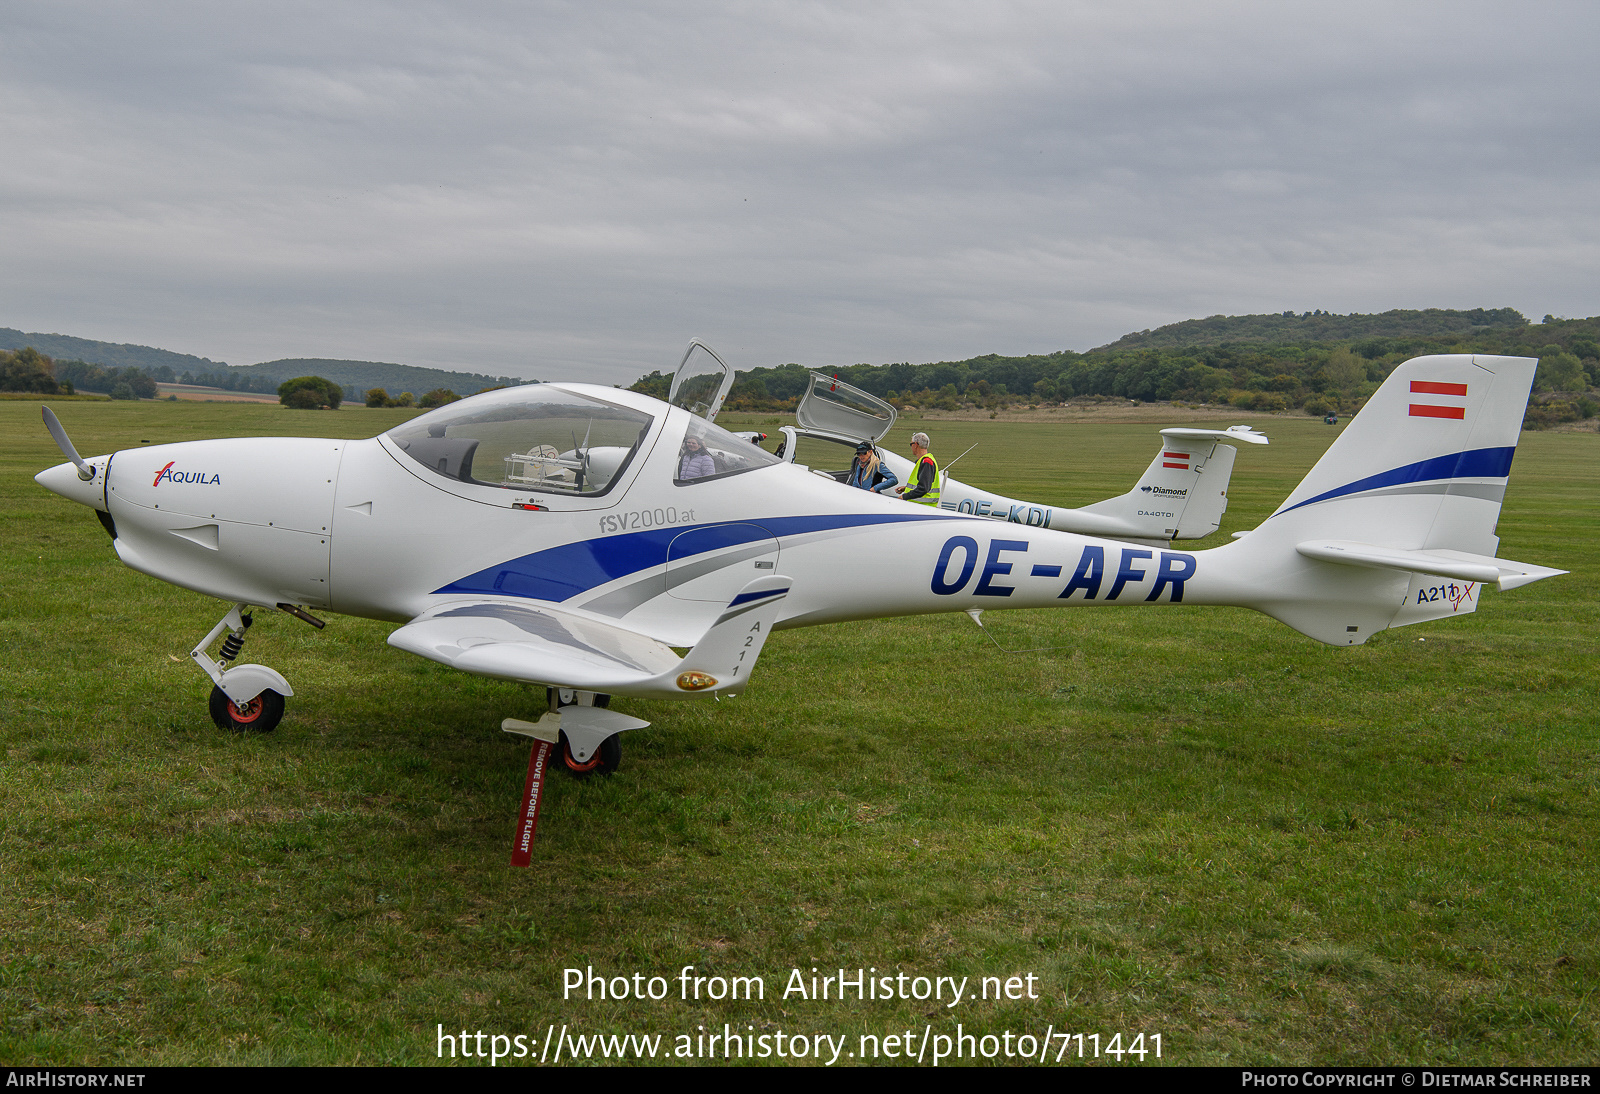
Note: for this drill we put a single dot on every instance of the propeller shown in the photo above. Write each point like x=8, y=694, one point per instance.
x=63, y=442
x=581, y=451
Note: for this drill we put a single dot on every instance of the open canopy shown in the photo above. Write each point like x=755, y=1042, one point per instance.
x=701, y=382
x=833, y=406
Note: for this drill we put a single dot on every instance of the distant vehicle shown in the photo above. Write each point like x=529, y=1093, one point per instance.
x=1181, y=495
x=577, y=536
x=1331, y=419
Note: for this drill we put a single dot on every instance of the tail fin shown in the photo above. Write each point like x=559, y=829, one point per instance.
x=1184, y=491
x=1409, y=494
x=1424, y=465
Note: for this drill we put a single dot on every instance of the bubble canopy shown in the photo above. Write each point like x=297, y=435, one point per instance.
x=539, y=437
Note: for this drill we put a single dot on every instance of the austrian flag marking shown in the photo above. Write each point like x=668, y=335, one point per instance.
x=1169, y=457
x=1437, y=410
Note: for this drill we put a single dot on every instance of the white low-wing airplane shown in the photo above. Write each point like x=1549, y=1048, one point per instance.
x=572, y=535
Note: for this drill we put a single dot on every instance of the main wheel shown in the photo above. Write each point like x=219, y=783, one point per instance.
x=603, y=762
x=261, y=714
x=606, y=757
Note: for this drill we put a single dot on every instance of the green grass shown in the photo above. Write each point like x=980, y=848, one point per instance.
x=1189, y=822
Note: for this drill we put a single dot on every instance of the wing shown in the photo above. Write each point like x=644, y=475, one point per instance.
x=538, y=643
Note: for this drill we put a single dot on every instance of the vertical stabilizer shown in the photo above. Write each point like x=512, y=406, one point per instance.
x=1396, y=523
x=1424, y=465
x=1184, y=491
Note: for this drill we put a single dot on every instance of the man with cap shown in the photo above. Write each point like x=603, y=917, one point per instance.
x=923, y=486
x=867, y=472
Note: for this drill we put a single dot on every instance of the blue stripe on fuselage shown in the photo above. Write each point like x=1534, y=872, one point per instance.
x=561, y=573
x=1480, y=463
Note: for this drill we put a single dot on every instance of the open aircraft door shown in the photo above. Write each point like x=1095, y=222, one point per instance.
x=833, y=406
x=701, y=382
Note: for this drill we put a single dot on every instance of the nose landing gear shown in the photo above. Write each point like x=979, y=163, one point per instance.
x=244, y=697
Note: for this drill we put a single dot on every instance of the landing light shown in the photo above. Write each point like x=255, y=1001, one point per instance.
x=695, y=681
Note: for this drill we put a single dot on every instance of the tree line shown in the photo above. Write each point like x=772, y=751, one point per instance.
x=29, y=370
x=1317, y=377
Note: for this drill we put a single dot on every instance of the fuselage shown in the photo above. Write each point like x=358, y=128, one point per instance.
x=393, y=526
x=572, y=501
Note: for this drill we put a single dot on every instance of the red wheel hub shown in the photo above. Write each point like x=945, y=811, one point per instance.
x=247, y=712
x=573, y=765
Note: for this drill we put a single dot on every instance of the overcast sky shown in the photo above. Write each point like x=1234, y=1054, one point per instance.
x=573, y=191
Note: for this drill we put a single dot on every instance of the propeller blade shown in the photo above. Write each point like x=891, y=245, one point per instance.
x=63, y=442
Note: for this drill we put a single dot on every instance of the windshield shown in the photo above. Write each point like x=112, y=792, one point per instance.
x=527, y=438
x=710, y=452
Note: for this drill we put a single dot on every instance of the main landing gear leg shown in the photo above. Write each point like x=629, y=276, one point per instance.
x=245, y=696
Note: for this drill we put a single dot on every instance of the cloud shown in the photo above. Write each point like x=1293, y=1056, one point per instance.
x=575, y=190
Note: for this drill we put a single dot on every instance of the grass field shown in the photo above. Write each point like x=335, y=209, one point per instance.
x=1188, y=822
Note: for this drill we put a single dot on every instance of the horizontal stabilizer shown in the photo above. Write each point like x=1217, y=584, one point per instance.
x=1444, y=563
x=1233, y=434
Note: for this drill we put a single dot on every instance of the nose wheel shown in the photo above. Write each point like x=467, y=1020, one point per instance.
x=260, y=715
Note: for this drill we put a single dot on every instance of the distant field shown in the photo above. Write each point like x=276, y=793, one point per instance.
x=1186, y=822
x=192, y=392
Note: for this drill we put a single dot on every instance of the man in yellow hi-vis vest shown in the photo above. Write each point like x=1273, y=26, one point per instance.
x=923, y=485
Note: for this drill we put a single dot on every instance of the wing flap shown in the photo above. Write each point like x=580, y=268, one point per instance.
x=516, y=641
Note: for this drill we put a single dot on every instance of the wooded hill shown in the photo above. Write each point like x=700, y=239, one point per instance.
x=357, y=377
x=1233, y=361
x=1290, y=328
x=64, y=347
x=97, y=366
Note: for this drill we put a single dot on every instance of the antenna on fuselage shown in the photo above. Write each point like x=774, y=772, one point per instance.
x=977, y=613
x=951, y=464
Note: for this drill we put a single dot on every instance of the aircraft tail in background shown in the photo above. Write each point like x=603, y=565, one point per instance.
x=1184, y=491
x=1181, y=495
